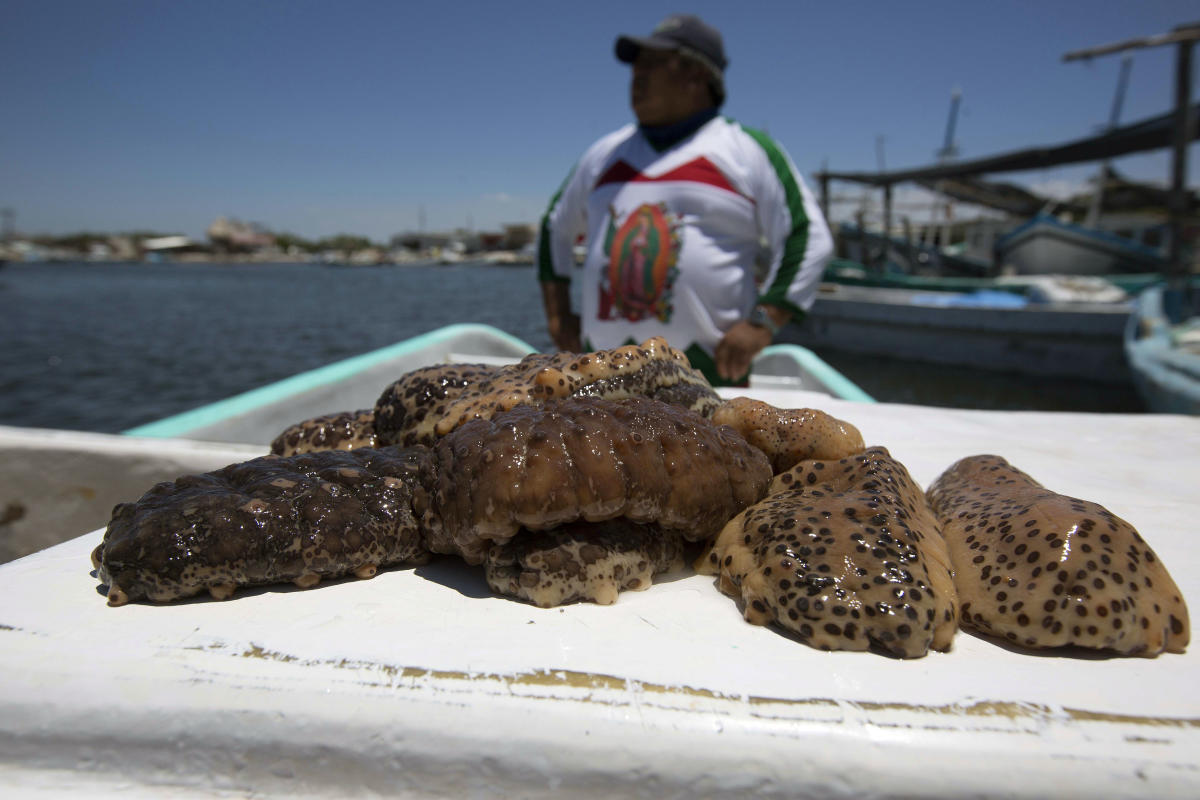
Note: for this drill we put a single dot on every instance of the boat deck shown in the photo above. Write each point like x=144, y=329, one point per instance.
x=420, y=682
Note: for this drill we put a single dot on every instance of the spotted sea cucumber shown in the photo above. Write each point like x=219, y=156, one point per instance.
x=1041, y=569
x=844, y=555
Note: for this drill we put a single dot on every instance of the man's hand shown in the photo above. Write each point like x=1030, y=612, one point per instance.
x=564, y=330
x=561, y=322
x=738, y=347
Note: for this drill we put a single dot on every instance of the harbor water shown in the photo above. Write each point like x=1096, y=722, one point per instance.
x=105, y=347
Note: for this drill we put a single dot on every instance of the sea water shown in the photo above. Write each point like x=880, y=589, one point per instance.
x=106, y=347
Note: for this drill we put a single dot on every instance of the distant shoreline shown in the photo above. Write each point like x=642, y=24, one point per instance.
x=491, y=258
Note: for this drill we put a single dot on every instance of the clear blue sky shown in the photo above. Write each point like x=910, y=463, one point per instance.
x=350, y=116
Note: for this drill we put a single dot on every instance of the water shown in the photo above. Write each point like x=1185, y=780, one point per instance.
x=105, y=347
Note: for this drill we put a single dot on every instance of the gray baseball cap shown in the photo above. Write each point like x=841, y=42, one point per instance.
x=684, y=33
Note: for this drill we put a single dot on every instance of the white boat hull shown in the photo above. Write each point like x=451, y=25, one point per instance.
x=54, y=484
x=421, y=683
x=1075, y=340
x=1046, y=246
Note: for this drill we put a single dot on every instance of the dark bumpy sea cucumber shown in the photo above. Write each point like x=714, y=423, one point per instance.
x=1041, y=569
x=407, y=410
x=428, y=403
x=648, y=370
x=269, y=520
x=327, y=514
x=590, y=561
x=586, y=458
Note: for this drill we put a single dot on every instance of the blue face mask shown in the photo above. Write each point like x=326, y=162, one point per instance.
x=663, y=136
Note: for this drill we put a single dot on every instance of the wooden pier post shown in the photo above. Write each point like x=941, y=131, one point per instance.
x=1183, y=36
x=1177, y=203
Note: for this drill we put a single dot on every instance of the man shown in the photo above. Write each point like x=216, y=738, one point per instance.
x=697, y=229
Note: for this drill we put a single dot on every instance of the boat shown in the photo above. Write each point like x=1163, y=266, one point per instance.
x=1073, y=288
x=1068, y=327
x=56, y=484
x=1162, y=344
x=909, y=254
x=1046, y=244
x=421, y=682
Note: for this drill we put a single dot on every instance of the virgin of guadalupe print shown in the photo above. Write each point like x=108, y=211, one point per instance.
x=642, y=265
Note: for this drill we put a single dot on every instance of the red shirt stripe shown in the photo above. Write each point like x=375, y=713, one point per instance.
x=701, y=170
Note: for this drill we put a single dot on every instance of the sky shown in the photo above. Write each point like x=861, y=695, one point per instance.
x=375, y=118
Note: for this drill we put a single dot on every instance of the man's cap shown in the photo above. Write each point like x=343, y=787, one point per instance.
x=683, y=33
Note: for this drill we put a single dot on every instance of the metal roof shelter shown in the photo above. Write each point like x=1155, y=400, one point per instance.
x=1175, y=129
x=1153, y=133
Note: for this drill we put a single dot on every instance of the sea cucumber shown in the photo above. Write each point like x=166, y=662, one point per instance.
x=588, y=458
x=573, y=478
x=789, y=435
x=326, y=514
x=590, y=561
x=427, y=403
x=270, y=520
x=1041, y=569
x=344, y=430
x=844, y=555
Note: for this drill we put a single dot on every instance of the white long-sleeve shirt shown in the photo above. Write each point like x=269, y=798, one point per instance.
x=684, y=242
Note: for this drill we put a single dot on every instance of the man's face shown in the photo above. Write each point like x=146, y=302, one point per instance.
x=660, y=88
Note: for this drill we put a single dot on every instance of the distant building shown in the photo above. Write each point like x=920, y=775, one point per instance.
x=234, y=236
x=518, y=236
x=123, y=248
x=491, y=241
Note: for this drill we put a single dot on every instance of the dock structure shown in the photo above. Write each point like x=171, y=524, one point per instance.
x=1175, y=129
x=1183, y=122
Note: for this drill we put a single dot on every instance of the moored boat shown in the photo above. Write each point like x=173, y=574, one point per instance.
x=1162, y=343
x=1045, y=245
x=1020, y=327
x=1082, y=287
